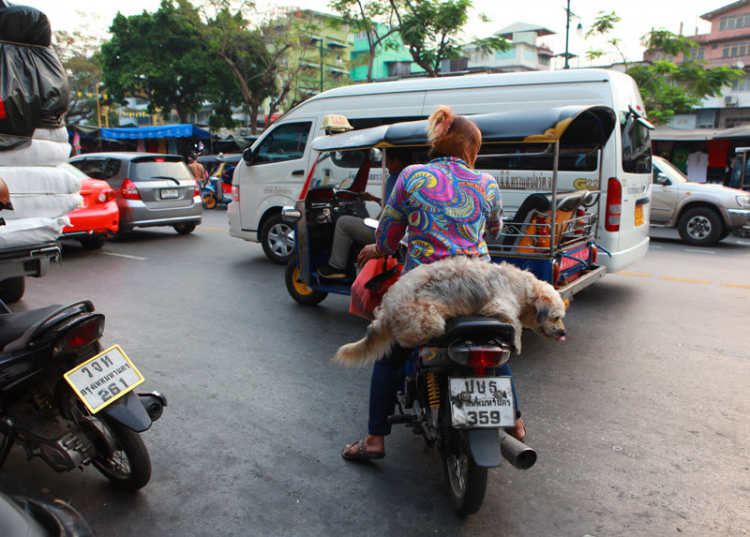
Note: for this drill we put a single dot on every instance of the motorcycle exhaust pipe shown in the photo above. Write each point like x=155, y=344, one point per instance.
x=515, y=452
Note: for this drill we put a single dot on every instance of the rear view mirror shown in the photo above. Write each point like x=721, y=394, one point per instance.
x=248, y=156
x=662, y=179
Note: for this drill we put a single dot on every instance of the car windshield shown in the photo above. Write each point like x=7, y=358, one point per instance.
x=78, y=174
x=156, y=170
x=671, y=171
x=339, y=168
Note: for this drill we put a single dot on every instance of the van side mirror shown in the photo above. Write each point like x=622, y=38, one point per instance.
x=248, y=156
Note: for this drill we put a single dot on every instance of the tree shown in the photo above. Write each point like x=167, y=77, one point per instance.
x=430, y=29
x=160, y=57
x=79, y=54
x=367, y=17
x=667, y=87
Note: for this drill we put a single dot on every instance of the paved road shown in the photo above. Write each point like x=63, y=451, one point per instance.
x=639, y=418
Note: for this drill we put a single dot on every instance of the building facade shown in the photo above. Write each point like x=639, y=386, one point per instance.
x=525, y=54
x=392, y=59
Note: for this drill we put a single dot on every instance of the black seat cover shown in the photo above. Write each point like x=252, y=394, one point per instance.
x=477, y=327
x=14, y=325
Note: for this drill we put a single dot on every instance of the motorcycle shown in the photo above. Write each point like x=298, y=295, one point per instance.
x=217, y=190
x=452, y=398
x=68, y=402
x=37, y=518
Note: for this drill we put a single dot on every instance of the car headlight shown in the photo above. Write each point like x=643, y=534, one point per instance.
x=743, y=201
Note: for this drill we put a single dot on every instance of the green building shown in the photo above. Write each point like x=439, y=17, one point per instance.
x=392, y=58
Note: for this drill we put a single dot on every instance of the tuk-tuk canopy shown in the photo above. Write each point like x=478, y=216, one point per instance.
x=573, y=126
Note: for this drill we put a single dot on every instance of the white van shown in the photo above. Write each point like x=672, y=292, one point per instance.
x=276, y=165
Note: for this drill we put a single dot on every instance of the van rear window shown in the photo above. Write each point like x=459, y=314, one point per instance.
x=151, y=170
x=636, y=147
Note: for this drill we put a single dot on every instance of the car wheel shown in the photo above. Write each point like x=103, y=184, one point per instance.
x=93, y=243
x=185, y=229
x=277, y=239
x=12, y=289
x=700, y=226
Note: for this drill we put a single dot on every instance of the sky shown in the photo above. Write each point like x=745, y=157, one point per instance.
x=638, y=17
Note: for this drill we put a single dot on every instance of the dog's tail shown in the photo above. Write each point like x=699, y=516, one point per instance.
x=376, y=344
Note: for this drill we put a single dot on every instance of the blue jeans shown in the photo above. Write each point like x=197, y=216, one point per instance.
x=388, y=379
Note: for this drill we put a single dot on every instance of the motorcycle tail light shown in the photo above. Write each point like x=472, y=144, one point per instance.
x=486, y=356
x=84, y=334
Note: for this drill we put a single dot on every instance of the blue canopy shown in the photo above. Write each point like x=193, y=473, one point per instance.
x=161, y=131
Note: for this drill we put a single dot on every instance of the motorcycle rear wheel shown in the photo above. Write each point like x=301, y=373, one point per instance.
x=129, y=465
x=467, y=482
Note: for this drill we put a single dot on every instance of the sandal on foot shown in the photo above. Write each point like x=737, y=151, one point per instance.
x=360, y=454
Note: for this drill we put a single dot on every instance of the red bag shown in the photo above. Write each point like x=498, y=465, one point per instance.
x=371, y=284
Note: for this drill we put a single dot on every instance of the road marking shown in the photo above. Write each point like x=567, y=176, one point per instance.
x=735, y=285
x=126, y=256
x=639, y=274
x=700, y=251
x=213, y=228
x=688, y=280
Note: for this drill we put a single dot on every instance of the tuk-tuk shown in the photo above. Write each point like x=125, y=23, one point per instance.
x=557, y=246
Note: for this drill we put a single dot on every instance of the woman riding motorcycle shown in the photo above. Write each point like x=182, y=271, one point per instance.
x=431, y=201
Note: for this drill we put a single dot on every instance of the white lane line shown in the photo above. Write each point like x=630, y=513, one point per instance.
x=700, y=251
x=125, y=256
x=650, y=247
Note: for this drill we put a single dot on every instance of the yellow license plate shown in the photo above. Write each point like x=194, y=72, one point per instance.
x=103, y=379
x=638, y=215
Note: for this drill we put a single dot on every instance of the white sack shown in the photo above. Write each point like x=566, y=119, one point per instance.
x=31, y=231
x=39, y=153
x=41, y=205
x=39, y=180
x=58, y=134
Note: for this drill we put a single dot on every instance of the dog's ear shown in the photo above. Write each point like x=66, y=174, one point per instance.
x=543, y=305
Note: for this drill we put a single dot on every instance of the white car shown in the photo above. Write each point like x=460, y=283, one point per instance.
x=703, y=213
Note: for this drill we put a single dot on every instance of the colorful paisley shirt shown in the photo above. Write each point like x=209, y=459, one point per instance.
x=446, y=208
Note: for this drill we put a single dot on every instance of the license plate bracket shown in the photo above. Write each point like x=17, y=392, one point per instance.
x=103, y=379
x=170, y=193
x=479, y=402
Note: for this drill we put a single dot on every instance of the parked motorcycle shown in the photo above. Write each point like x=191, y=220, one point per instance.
x=454, y=400
x=65, y=400
x=217, y=190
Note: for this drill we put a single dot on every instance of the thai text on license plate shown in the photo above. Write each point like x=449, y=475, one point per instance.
x=482, y=402
x=104, y=378
x=170, y=193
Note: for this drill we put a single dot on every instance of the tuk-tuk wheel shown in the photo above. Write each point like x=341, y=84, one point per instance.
x=209, y=201
x=300, y=292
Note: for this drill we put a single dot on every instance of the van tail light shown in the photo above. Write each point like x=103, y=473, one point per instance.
x=614, y=205
x=235, y=193
x=82, y=335
x=129, y=191
x=105, y=195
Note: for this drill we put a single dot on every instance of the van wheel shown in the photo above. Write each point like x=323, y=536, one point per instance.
x=12, y=289
x=277, y=238
x=700, y=226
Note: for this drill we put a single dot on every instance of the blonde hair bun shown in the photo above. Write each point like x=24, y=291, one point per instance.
x=439, y=123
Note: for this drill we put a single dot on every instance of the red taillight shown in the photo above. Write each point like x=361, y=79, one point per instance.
x=197, y=191
x=158, y=160
x=614, y=205
x=106, y=195
x=129, y=190
x=84, y=334
x=484, y=357
x=235, y=193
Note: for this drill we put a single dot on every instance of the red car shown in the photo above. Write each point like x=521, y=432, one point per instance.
x=98, y=216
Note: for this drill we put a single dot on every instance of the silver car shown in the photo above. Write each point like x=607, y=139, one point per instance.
x=703, y=213
x=151, y=189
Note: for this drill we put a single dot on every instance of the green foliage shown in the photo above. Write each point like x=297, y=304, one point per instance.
x=431, y=28
x=80, y=57
x=667, y=87
x=160, y=56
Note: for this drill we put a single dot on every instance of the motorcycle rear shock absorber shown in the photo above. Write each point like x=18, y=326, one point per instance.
x=433, y=395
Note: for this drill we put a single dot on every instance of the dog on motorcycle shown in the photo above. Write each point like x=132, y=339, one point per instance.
x=416, y=307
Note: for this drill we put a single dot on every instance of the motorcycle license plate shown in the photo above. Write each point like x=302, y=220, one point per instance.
x=482, y=402
x=170, y=193
x=104, y=378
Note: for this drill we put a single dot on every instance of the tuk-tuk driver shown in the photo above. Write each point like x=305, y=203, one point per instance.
x=350, y=228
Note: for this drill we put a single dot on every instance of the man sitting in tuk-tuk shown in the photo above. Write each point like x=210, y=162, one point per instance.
x=350, y=228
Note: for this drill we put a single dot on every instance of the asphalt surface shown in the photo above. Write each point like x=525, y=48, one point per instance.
x=639, y=418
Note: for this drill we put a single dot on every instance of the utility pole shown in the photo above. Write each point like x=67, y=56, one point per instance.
x=320, y=44
x=567, y=37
